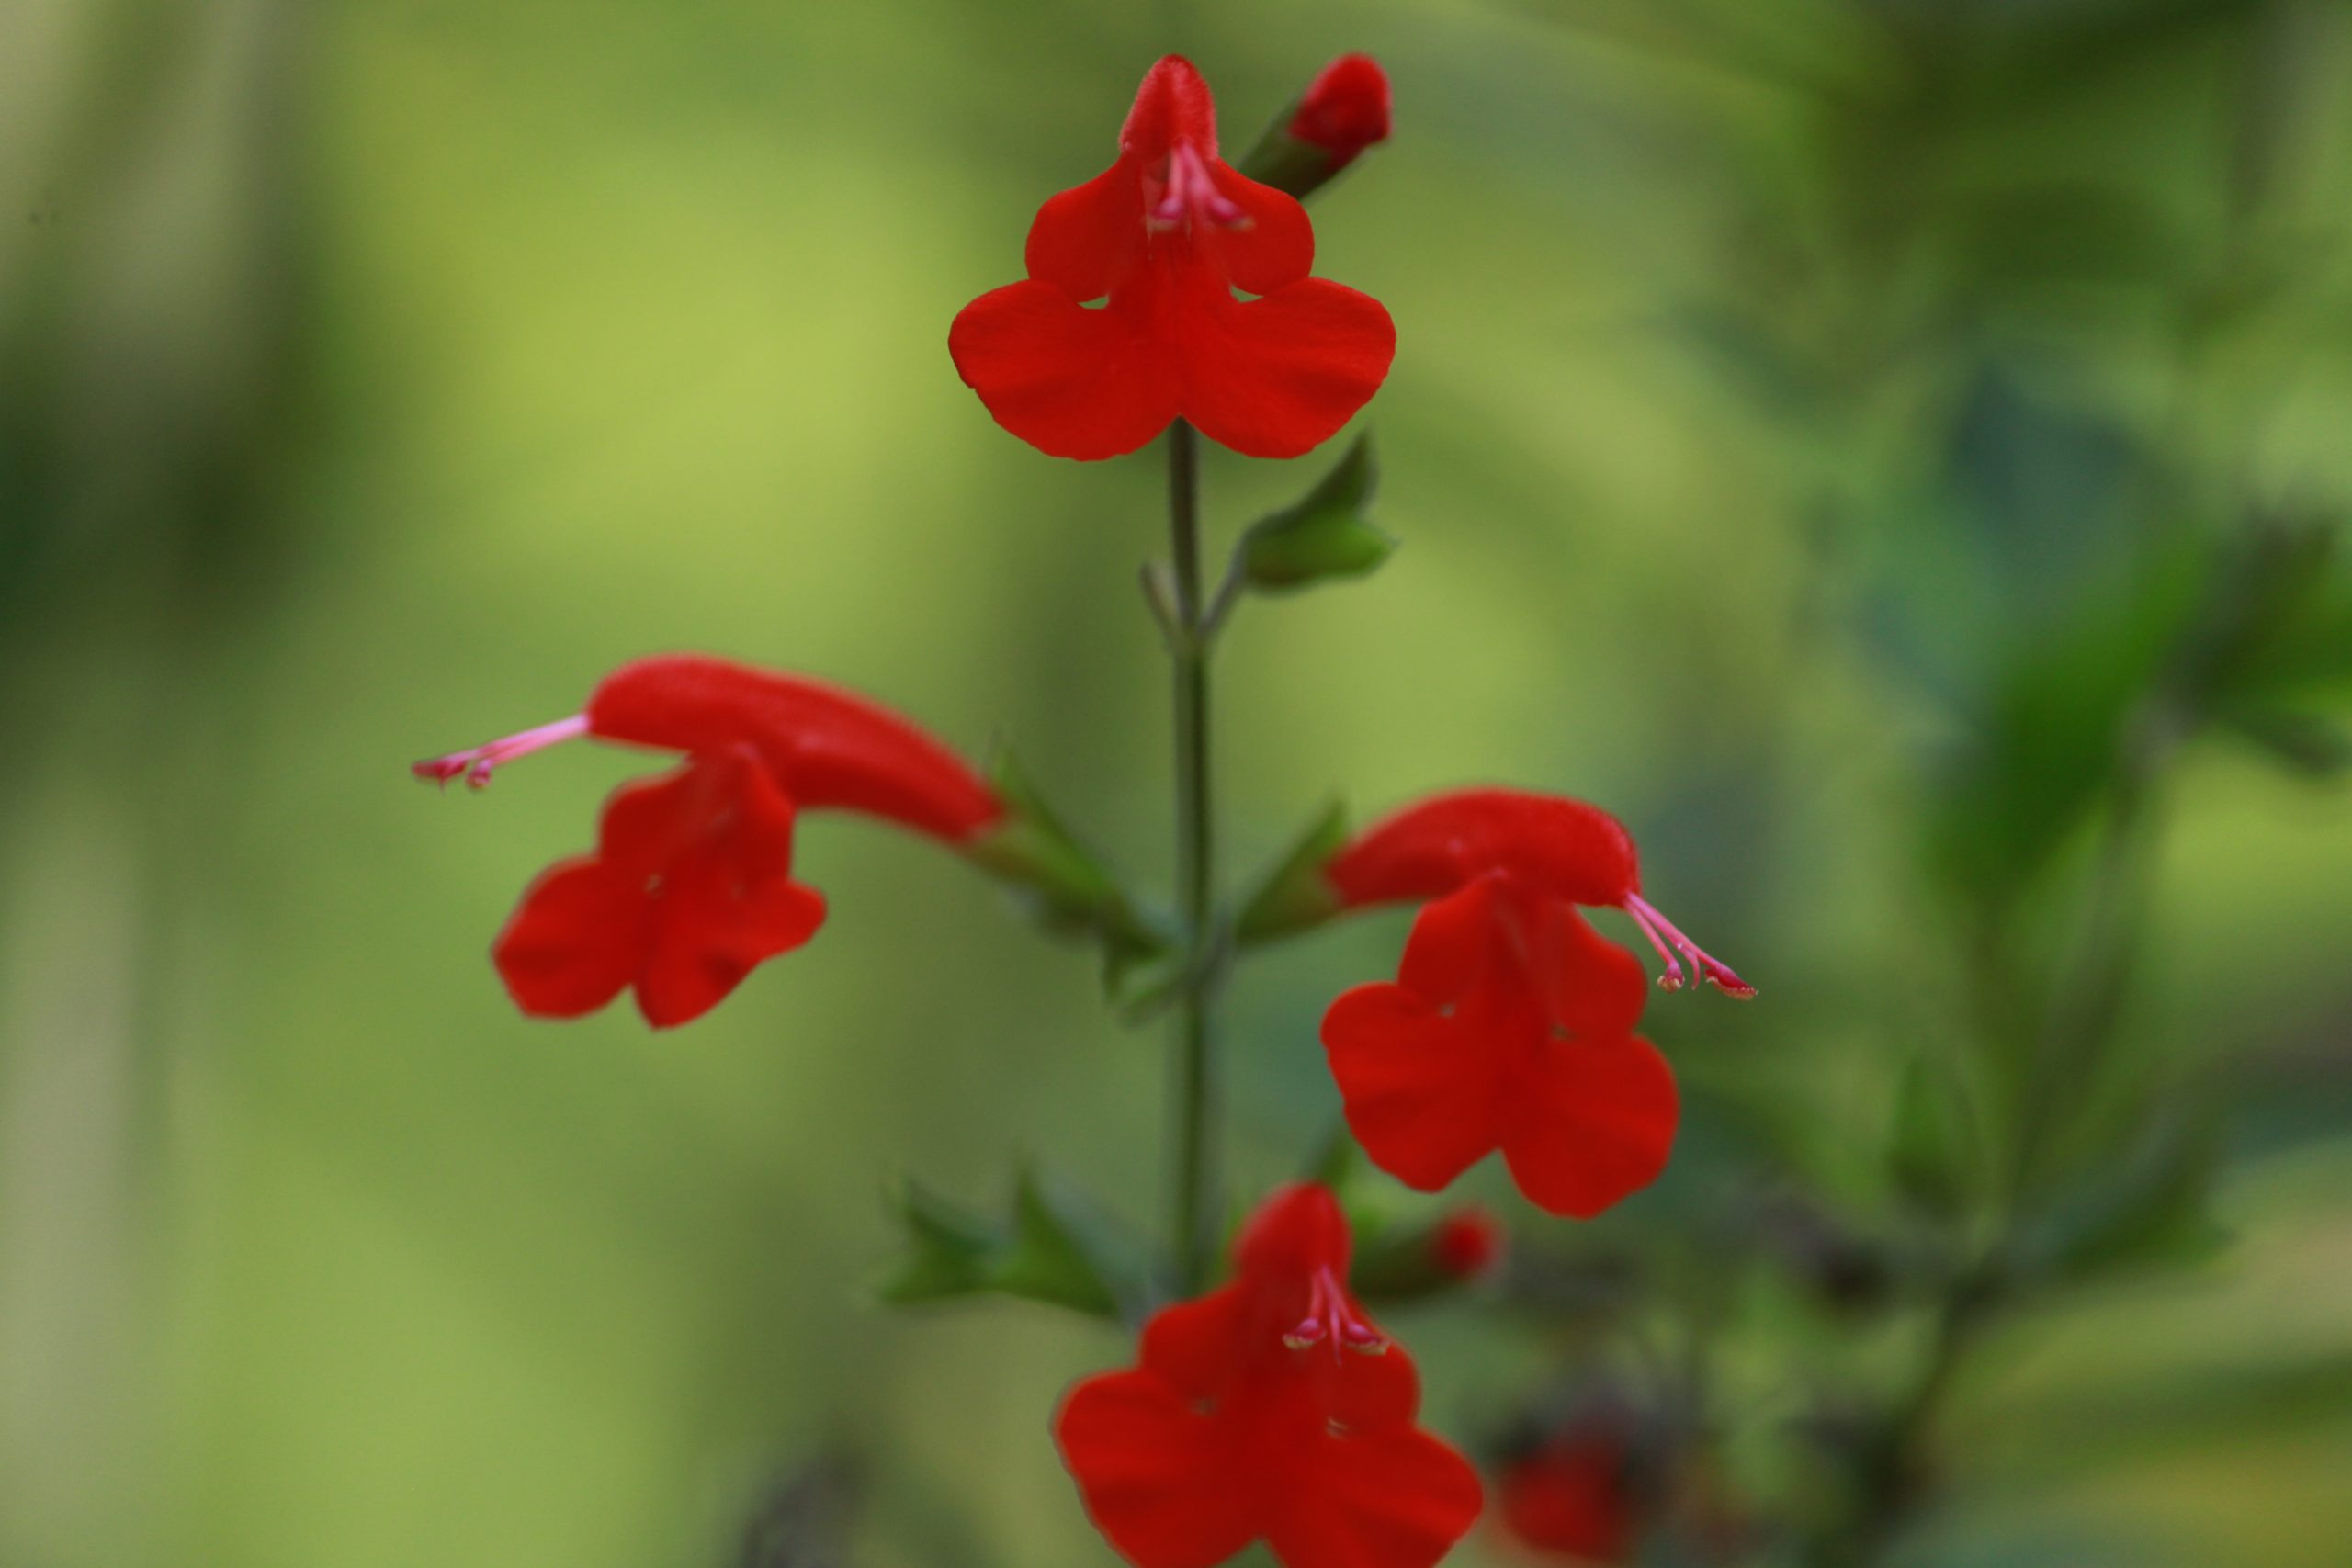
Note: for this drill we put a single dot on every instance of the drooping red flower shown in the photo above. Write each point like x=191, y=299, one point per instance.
x=1510, y=1024
x=1271, y=1409
x=1569, y=1498
x=689, y=887
x=1164, y=237
x=1345, y=109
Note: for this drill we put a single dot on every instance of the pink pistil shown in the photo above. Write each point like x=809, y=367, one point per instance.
x=1663, y=933
x=1191, y=191
x=475, y=766
x=1327, y=1317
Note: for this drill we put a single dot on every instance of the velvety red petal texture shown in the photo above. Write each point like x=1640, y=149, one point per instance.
x=1277, y=376
x=574, y=942
x=1172, y=105
x=1070, y=381
x=1157, y=1476
x=1594, y=1125
x=1564, y=847
x=1510, y=1029
x=826, y=746
x=1083, y=239
x=1418, y=1090
x=1587, y=984
x=1345, y=108
x=690, y=889
x=1232, y=1431
x=1397, y=1498
x=1275, y=248
x=1164, y=237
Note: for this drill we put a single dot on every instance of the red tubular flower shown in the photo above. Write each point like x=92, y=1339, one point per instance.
x=1165, y=236
x=1271, y=1410
x=1345, y=109
x=690, y=887
x=1511, y=1025
x=1569, y=1498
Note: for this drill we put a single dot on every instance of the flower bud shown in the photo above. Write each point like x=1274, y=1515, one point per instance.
x=1343, y=111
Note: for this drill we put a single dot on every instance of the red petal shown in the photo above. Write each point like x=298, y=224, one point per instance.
x=1090, y=235
x=1276, y=377
x=1156, y=1478
x=573, y=941
x=1363, y=1393
x=1172, y=104
x=1392, y=1498
x=1593, y=1123
x=1193, y=1344
x=1569, y=849
x=1070, y=381
x=708, y=936
x=1277, y=249
x=828, y=747
x=1454, y=943
x=1420, y=1091
x=1295, y=1231
x=1590, y=985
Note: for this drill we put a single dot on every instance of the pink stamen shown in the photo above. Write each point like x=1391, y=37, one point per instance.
x=475, y=766
x=1327, y=1317
x=1670, y=977
x=1715, y=972
x=1191, y=191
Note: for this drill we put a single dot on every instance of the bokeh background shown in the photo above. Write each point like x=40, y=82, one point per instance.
x=1885, y=449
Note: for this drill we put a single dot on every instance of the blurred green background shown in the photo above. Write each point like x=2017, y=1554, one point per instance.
x=1815, y=425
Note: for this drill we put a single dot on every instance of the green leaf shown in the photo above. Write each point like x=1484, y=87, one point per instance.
x=949, y=1252
x=1292, y=894
x=1055, y=1248
x=1325, y=536
x=1066, y=887
x=1933, y=1153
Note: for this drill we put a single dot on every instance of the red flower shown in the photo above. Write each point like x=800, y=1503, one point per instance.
x=690, y=887
x=1467, y=1243
x=1511, y=1025
x=1569, y=1498
x=1269, y=1410
x=1345, y=109
x=1166, y=235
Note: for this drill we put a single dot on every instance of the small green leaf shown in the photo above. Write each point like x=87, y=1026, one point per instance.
x=1065, y=885
x=1325, y=536
x=1067, y=1252
x=1292, y=896
x=1933, y=1153
x=949, y=1252
x=1056, y=1248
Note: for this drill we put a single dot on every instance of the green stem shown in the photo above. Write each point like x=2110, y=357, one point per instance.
x=1194, y=1074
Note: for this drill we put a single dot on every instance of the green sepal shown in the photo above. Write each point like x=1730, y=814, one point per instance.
x=1056, y=1248
x=1293, y=894
x=1064, y=885
x=1323, y=537
x=1296, y=167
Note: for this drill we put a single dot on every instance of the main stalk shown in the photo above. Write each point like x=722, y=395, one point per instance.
x=1194, y=1065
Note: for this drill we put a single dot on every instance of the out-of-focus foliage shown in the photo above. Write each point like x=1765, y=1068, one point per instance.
x=1888, y=450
